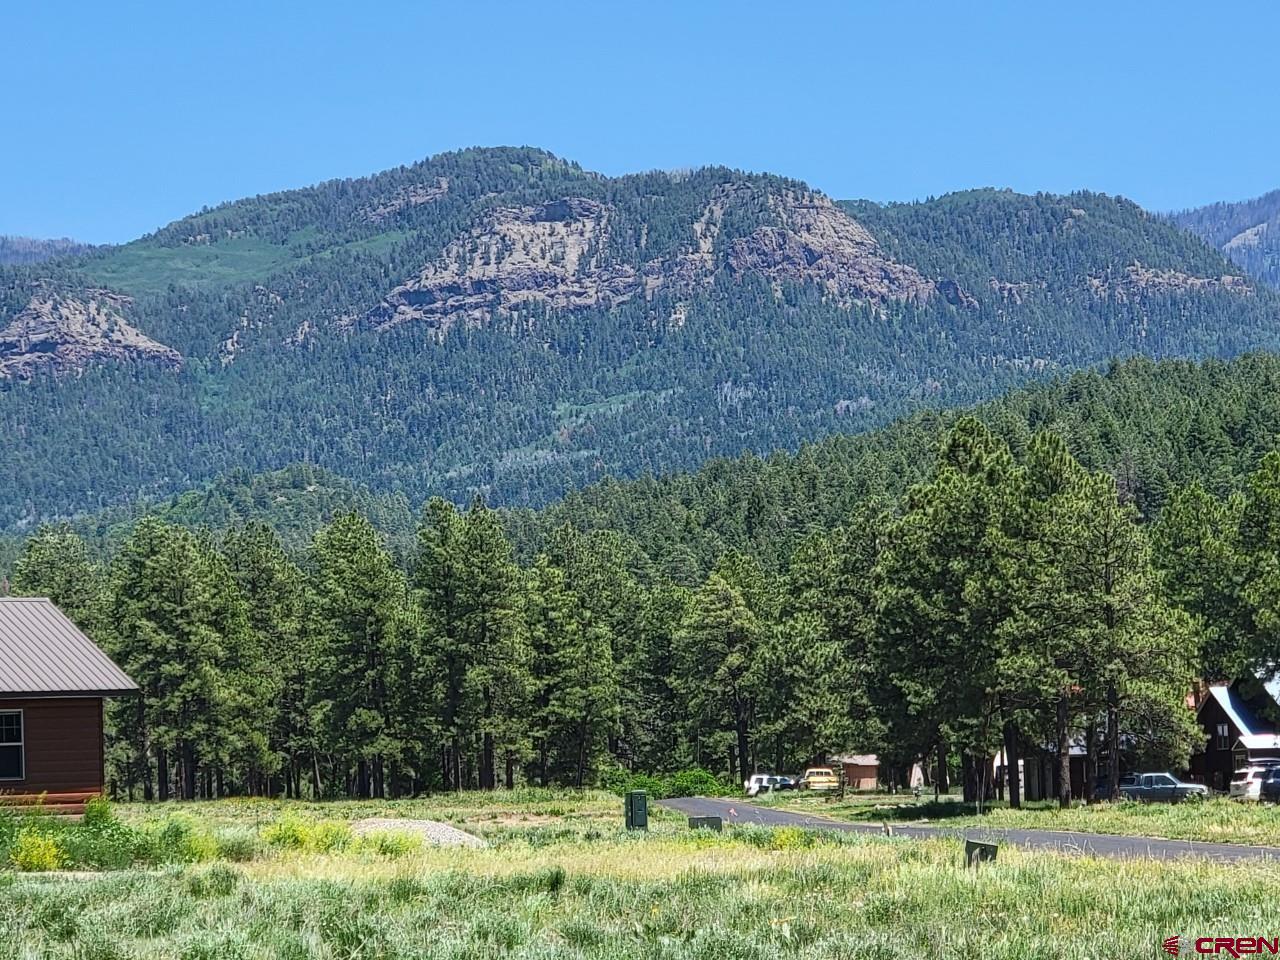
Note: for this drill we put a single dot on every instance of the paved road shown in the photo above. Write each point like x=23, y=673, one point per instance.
x=1095, y=844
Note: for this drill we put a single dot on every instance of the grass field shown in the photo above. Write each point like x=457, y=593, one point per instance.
x=1218, y=820
x=560, y=878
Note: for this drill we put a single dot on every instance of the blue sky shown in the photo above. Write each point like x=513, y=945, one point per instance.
x=119, y=117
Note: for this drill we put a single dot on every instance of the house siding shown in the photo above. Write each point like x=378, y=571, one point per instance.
x=63, y=749
x=861, y=776
x=1214, y=766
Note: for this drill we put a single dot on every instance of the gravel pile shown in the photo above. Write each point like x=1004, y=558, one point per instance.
x=431, y=831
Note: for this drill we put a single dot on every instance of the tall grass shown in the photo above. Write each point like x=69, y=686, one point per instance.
x=747, y=893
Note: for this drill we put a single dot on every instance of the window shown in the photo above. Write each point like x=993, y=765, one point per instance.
x=1224, y=737
x=11, y=759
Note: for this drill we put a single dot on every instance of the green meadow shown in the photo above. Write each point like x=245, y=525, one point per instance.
x=560, y=878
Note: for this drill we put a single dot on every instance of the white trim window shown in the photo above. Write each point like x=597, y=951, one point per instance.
x=12, y=755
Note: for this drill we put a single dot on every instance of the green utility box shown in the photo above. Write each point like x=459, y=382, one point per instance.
x=706, y=823
x=637, y=810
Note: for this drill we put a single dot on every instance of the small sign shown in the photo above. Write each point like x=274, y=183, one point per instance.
x=976, y=852
x=706, y=823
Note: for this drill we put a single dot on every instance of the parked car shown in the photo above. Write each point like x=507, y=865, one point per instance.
x=1246, y=783
x=759, y=783
x=1163, y=787
x=819, y=778
x=1269, y=787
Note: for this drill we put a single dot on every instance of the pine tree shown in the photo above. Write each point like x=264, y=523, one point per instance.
x=576, y=682
x=936, y=628
x=177, y=626
x=358, y=596
x=720, y=666
x=55, y=563
x=274, y=589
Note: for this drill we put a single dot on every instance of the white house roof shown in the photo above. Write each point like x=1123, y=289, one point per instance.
x=1260, y=741
x=859, y=759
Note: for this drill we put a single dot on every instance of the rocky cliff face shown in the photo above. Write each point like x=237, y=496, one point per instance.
x=1137, y=281
x=815, y=242
x=558, y=255
x=63, y=334
x=552, y=254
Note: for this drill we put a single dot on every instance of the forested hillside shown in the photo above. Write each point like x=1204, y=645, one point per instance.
x=1154, y=425
x=1248, y=232
x=504, y=322
x=1010, y=598
x=31, y=250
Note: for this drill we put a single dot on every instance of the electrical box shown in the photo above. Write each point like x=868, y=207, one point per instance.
x=637, y=810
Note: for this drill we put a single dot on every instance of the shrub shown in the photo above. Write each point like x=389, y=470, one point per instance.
x=620, y=781
x=695, y=782
x=217, y=881
x=103, y=845
x=389, y=844
x=33, y=851
x=9, y=830
x=791, y=838
x=238, y=845
x=97, y=813
x=181, y=840
x=307, y=836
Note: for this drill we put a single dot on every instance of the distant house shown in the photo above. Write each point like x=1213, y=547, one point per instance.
x=53, y=680
x=1239, y=721
x=861, y=770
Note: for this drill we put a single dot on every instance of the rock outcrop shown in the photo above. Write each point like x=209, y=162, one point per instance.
x=63, y=334
x=414, y=196
x=1137, y=281
x=552, y=254
x=817, y=242
x=557, y=255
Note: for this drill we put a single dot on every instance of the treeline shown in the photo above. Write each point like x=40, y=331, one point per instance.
x=1003, y=601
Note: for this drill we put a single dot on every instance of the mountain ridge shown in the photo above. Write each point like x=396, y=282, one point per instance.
x=553, y=326
x=1245, y=231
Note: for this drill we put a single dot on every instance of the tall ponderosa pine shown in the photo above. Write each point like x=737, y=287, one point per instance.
x=274, y=588
x=576, y=683
x=55, y=563
x=180, y=629
x=721, y=666
x=938, y=611
x=358, y=598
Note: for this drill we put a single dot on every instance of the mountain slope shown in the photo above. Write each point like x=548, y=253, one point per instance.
x=504, y=321
x=1247, y=232
x=1154, y=425
x=14, y=250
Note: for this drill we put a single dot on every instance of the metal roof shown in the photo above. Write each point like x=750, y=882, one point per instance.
x=858, y=759
x=1260, y=741
x=1236, y=709
x=43, y=654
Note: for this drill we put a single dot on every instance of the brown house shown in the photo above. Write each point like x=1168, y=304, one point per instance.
x=52, y=683
x=1239, y=724
x=861, y=770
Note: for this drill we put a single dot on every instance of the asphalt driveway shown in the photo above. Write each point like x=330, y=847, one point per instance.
x=1094, y=844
